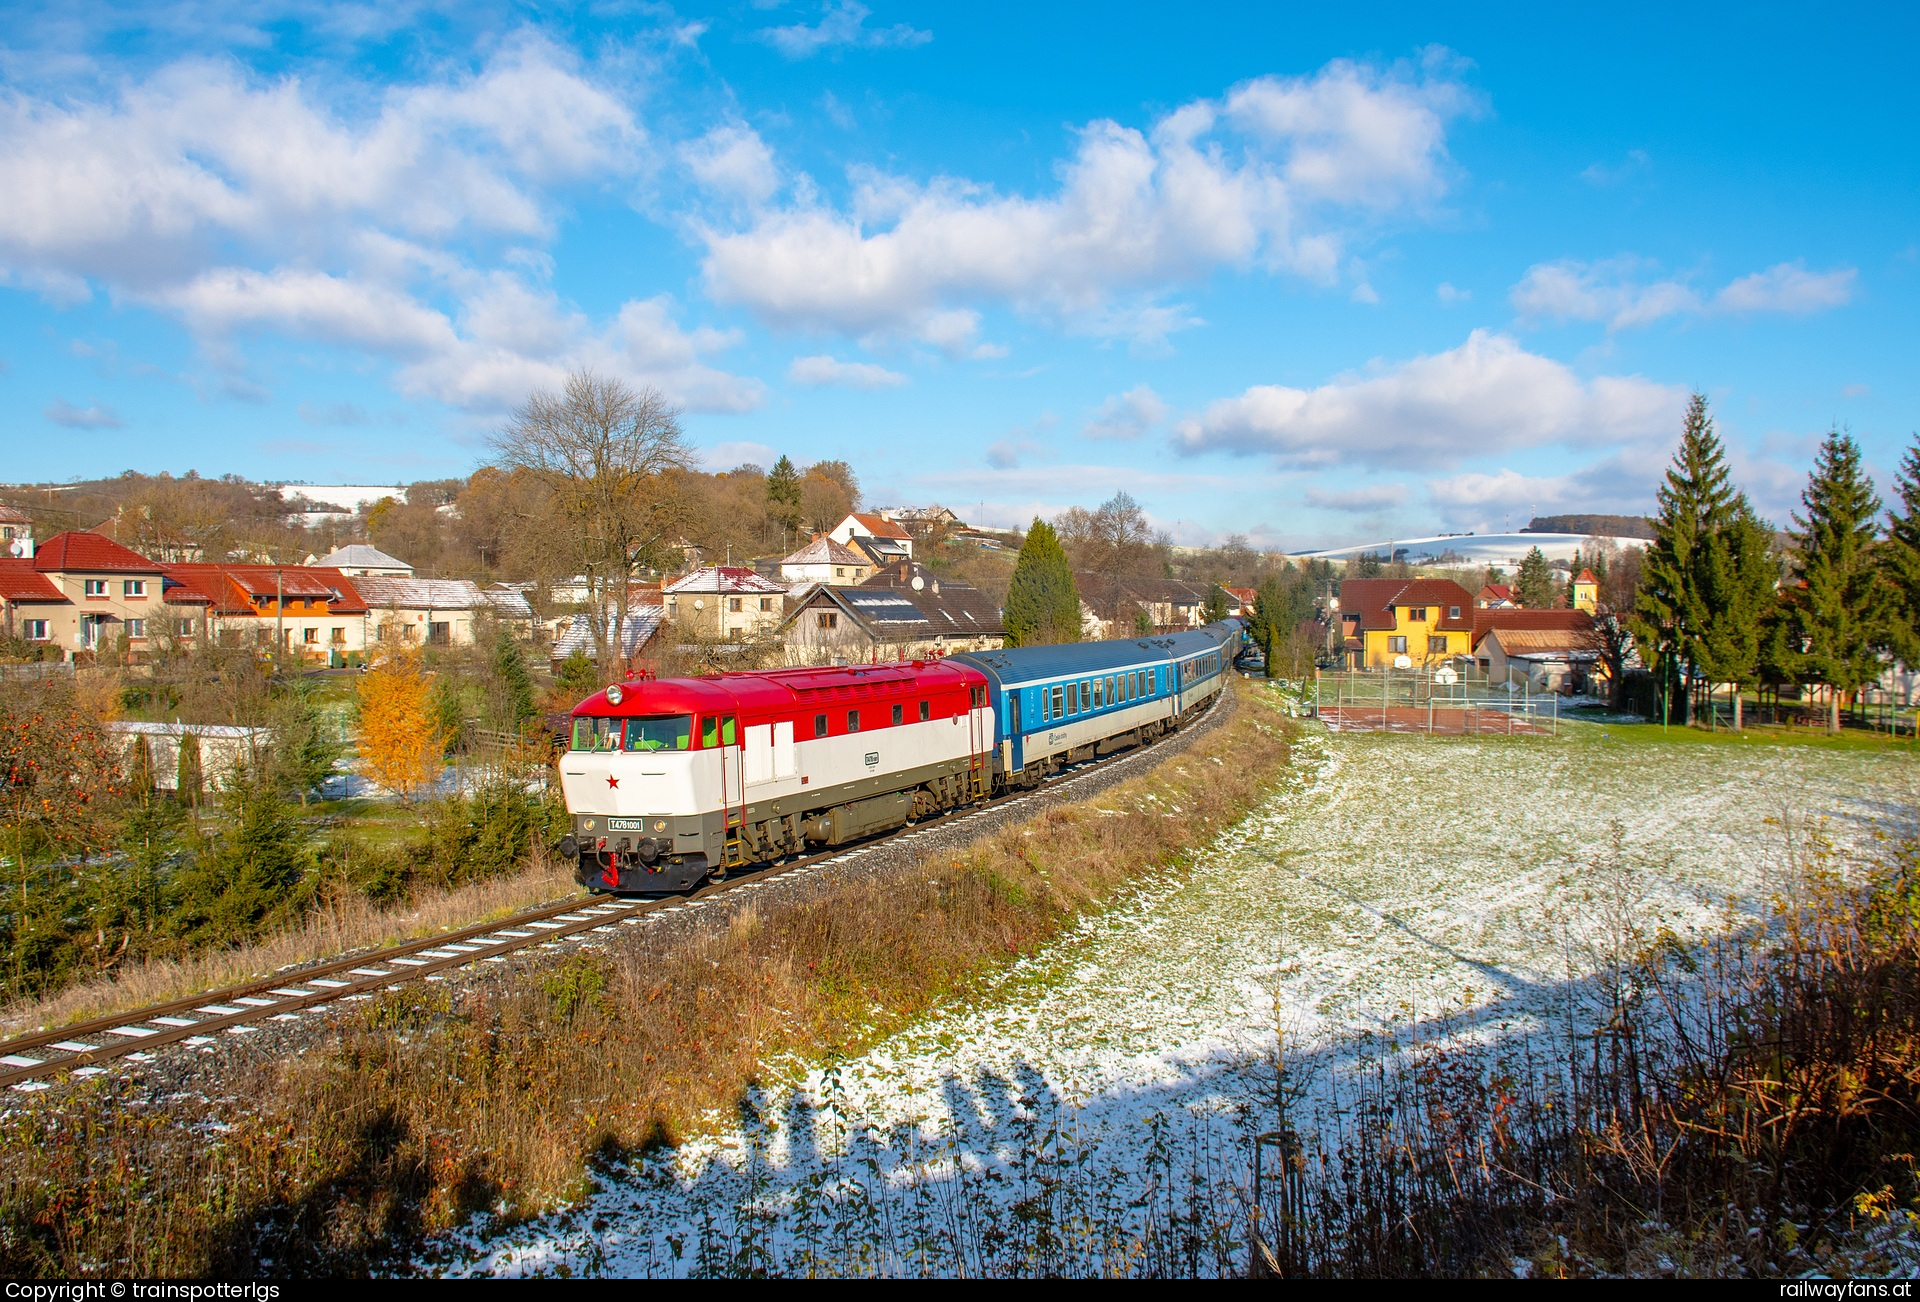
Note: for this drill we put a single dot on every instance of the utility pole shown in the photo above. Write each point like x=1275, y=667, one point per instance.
x=279, y=617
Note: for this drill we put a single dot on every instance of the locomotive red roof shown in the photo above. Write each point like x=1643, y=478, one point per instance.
x=776, y=689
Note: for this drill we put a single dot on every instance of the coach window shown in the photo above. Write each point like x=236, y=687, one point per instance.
x=1059, y=695
x=853, y=721
x=899, y=714
x=819, y=725
x=926, y=711
x=1110, y=696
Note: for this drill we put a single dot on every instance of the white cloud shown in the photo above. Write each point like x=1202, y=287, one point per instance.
x=1127, y=415
x=1788, y=287
x=824, y=370
x=1486, y=396
x=1448, y=295
x=96, y=416
x=144, y=187
x=1605, y=174
x=1361, y=501
x=1609, y=291
x=842, y=22
x=245, y=207
x=1267, y=177
x=726, y=456
x=734, y=161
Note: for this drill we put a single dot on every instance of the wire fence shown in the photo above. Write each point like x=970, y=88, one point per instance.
x=1438, y=702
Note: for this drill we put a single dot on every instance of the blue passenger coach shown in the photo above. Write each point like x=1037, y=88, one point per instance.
x=1055, y=705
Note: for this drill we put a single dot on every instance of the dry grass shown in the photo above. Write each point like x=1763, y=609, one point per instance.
x=430, y=1106
x=338, y=926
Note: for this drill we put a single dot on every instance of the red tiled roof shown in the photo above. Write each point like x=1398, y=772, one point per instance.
x=89, y=553
x=1585, y=576
x=1575, y=623
x=19, y=581
x=880, y=527
x=1495, y=591
x=229, y=589
x=1371, y=601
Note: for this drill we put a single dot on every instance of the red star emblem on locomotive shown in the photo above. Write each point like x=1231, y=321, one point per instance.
x=613, y=782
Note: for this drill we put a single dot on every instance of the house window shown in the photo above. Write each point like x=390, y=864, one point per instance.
x=439, y=634
x=136, y=628
x=133, y=587
x=829, y=619
x=926, y=712
x=839, y=571
x=735, y=605
x=311, y=636
x=899, y=714
x=1417, y=613
x=819, y=725
x=183, y=628
x=1397, y=645
x=766, y=603
x=1437, y=646
x=96, y=587
x=1453, y=612
x=337, y=636
x=35, y=629
x=853, y=721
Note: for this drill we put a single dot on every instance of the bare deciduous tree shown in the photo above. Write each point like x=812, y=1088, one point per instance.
x=603, y=451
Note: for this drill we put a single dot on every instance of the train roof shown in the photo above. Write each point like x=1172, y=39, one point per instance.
x=773, y=689
x=1034, y=663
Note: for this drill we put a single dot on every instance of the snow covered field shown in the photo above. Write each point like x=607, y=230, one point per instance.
x=1395, y=880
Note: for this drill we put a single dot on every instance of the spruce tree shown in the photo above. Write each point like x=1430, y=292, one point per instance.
x=783, y=497
x=1839, y=600
x=1533, y=586
x=1735, y=574
x=1217, y=605
x=1900, y=561
x=1043, y=605
x=1671, y=612
x=512, y=682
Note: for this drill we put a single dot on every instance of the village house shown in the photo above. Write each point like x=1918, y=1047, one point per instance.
x=874, y=535
x=361, y=561
x=31, y=608
x=437, y=612
x=16, y=534
x=1397, y=623
x=1240, y=601
x=109, y=593
x=316, y=613
x=635, y=635
x=826, y=562
x=724, y=603
x=1495, y=596
x=902, y=613
x=1547, y=650
x=1108, y=605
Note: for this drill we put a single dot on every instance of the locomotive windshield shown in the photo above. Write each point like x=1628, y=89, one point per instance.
x=660, y=732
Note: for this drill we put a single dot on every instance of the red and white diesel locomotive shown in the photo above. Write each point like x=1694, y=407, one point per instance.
x=670, y=782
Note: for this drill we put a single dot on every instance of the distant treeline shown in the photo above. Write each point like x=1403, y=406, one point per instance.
x=1603, y=526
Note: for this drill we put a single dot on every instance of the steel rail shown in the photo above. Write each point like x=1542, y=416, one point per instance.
x=234, y=1009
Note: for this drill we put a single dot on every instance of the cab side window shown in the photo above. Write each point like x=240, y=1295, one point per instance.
x=819, y=725
x=926, y=711
x=709, y=730
x=727, y=737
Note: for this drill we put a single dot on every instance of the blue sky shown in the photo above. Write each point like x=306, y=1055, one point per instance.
x=1304, y=276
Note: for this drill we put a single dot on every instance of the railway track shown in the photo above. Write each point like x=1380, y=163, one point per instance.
x=82, y=1048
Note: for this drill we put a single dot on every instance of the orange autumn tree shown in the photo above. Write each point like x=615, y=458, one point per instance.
x=399, y=740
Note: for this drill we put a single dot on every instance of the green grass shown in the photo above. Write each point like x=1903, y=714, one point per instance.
x=1652, y=734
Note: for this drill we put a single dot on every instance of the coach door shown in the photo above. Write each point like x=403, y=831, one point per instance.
x=1016, y=740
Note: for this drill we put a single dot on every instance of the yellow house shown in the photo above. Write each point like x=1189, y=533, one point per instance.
x=1427, y=621
x=1586, y=592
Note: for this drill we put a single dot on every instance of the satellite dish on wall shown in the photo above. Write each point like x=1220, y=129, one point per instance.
x=918, y=583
